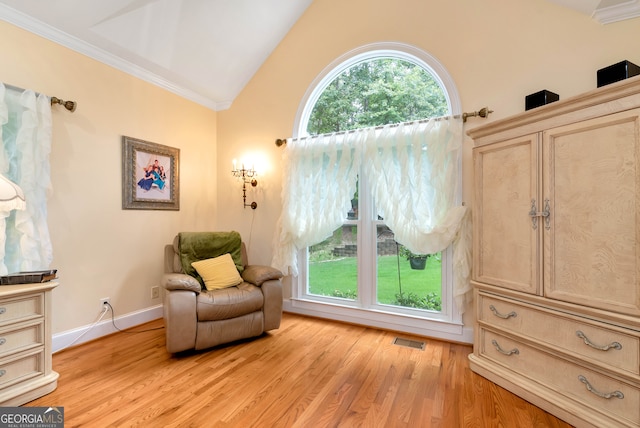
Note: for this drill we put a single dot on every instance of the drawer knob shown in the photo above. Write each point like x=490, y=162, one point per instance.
x=2, y=372
x=499, y=315
x=2, y=341
x=3, y=310
x=502, y=351
x=612, y=345
x=608, y=395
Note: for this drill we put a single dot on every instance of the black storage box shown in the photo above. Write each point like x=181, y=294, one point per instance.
x=539, y=99
x=616, y=72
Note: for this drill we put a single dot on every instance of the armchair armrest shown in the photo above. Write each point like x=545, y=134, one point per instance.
x=180, y=281
x=257, y=274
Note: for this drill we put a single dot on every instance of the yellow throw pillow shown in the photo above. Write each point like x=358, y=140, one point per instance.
x=218, y=272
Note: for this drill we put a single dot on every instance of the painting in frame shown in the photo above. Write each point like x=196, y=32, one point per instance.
x=150, y=176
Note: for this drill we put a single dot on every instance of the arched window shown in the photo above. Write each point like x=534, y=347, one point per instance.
x=367, y=54
x=361, y=273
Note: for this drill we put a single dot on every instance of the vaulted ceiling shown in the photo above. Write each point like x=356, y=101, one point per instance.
x=203, y=50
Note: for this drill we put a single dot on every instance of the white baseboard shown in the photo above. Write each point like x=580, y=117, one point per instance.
x=451, y=332
x=104, y=327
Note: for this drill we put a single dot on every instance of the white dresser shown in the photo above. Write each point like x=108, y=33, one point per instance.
x=25, y=343
x=556, y=263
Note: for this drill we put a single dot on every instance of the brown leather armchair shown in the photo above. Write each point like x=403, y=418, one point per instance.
x=197, y=318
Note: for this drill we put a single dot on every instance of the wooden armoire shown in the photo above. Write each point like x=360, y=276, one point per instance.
x=556, y=255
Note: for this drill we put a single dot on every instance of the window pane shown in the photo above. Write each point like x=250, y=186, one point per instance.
x=377, y=92
x=333, y=265
x=405, y=279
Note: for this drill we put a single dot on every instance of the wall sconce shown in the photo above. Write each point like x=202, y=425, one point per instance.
x=247, y=176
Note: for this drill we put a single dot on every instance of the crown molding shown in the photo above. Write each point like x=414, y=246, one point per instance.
x=604, y=11
x=42, y=29
x=618, y=12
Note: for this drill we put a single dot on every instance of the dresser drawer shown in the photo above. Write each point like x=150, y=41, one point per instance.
x=21, y=368
x=21, y=337
x=611, y=397
x=597, y=342
x=21, y=308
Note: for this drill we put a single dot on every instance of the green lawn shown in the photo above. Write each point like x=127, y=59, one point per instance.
x=339, y=278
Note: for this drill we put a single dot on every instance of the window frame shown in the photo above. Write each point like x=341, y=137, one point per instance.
x=446, y=324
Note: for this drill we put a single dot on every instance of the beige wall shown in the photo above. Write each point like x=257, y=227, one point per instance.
x=101, y=250
x=497, y=51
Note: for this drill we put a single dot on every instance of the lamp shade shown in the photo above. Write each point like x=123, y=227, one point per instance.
x=11, y=195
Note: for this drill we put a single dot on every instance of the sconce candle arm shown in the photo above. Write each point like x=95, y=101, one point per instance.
x=248, y=177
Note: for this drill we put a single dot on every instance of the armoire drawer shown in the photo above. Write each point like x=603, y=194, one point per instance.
x=21, y=337
x=21, y=308
x=586, y=338
x=21, y=367
x=611, y=397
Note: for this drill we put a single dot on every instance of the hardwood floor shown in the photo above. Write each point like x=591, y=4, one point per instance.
x=309, y=373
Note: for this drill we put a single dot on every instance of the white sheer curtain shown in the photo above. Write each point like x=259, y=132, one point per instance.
x=25, y=144
x=413, y=169
x=321, y=176
x=414, y=173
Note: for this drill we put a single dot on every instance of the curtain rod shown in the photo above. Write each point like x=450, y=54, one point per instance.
x=69, y=105
x=483, y=112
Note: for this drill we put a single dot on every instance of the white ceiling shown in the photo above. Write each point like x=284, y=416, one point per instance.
x=202, y=50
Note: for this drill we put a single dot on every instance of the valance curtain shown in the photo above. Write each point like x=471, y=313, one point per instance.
x=25, y=144
x=320, y=179
x=413, y=170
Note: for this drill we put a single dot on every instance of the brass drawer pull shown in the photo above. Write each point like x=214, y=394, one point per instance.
x=614, y=394
x=612, y=345
x=499, y=315
x=502, y=351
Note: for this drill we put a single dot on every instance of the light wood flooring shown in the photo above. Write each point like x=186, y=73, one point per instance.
x=309, y=373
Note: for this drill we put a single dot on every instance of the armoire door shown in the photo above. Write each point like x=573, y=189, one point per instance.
x=506, y=236
x=591, y=177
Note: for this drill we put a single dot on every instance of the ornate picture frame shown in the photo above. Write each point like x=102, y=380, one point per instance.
x=150, y=176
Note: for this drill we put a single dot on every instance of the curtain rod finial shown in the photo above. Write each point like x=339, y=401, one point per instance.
x=69, y=105
x=281, y=142
x=483, y=112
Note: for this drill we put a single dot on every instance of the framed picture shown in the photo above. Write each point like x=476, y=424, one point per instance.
x=150, y=176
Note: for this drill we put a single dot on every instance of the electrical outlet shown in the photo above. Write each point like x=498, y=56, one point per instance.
x=105, y=303
x=155, y=292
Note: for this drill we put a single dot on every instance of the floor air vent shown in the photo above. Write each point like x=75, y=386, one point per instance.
x=409, y=343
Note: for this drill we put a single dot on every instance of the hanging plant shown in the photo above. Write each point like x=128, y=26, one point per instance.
x=417, y=261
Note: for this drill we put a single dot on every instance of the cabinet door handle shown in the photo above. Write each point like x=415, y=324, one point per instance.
x=546, y=214
x=499, y=315
x=612, y=345
x=502, y=351
x=534, y=214
x=606, y=395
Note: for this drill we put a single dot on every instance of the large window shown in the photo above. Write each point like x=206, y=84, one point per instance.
x=376, y=91
x=361, y=273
